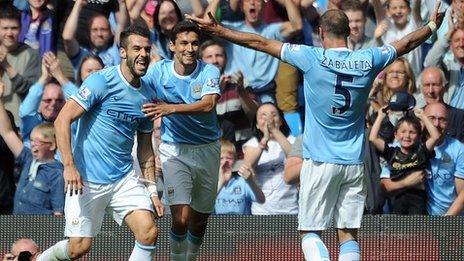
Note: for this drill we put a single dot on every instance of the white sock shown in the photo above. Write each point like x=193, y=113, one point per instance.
x=313, y=248
x=58, y=252
x=349, y=251
x=193, y=247
x=142, y=252
x=178, y=246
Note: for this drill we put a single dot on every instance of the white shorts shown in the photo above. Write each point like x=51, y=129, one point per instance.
x=330, y=190
x=84, y=213
x=190, y=174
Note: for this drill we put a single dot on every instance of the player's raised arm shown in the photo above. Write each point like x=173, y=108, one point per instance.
x=414, y=39
x=253, y=41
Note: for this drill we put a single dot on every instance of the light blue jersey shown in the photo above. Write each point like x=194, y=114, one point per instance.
x=336, y=86
x=235, y=197
x=258, y=68
x=105, y=135
x=170, y=87
x=447, y=165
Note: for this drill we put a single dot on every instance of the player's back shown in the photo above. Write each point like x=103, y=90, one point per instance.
x=336, y=87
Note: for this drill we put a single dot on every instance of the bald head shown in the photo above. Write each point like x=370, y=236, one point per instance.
x=433, y=84
x=438, y=115
x=24, y=244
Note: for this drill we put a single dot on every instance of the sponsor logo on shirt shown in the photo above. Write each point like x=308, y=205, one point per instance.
x=294, y=47
x=211, y=83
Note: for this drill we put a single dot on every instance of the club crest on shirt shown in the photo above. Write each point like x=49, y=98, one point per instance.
x=196, y=89
x=84, y=93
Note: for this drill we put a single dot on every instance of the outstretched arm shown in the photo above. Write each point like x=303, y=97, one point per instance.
x=414, y=39
x=159, y=109
x=253, y=41
x=6, y=130
x=71, y=46
x=434, y=135
x=374, y=137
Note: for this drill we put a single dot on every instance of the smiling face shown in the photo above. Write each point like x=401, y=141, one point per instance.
x=457, y=45
x=9, y=33
x=185, y=48
x=52, y=102
x=252, y=9
x=396, y=77
x=432, y=85
x=357, y=23
x=167, y=17
x=100, y=32
x=215, y=54
x=399, y=11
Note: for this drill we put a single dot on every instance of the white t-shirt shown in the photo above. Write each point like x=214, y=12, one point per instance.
x=281, y=198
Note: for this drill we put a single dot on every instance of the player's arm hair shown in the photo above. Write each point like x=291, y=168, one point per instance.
x=458, y=203
x=292, y=169
x=146, y=156
x=10, y=137
x=206, y=104
x=69, y=113
x=412, y=40
x=250, y=40
x=374, y=137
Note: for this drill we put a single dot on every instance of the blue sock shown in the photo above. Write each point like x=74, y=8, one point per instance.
x=349, y=251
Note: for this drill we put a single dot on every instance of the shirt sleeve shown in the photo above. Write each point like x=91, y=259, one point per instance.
x=385, y=173
x=211, y=84
x=460, y=162
x=92, y=91
x=383, y=56
x=300, y=56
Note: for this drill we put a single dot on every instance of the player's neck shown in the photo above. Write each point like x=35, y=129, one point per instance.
x=334, y=43
x=184, y=69
x=130, y=78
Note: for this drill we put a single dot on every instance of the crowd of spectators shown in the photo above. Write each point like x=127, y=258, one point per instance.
x=47, y=48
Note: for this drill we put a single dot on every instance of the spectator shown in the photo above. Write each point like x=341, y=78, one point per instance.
x=7, y=179
x=102, y=41
x=266, y=153
x=396, y=21
x=167, y=15
x=40, y=187
x=259, y=69
x=89, y=64
x=237, y=106
x=355, y=11
x=19, y=64
x=454, y=15
x=410, y=157
x=452, y=66
x=23, y=249
x=433, y=88
x=236, y=189
x=39, y=28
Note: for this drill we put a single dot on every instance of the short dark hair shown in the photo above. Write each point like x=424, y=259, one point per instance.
x=133, y=29
x=184, y=26
x=157, y=10
x=335, y=23
x=410, y=119
x=10, y=12
x=408, y=3
x=352, y=5
x=209, y=43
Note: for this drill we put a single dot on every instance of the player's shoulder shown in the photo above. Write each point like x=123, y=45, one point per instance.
x=101, y=77
x=206, y=67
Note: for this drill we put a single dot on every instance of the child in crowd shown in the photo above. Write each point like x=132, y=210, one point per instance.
x=412, y=155
x=236, y=190
x=40, y=188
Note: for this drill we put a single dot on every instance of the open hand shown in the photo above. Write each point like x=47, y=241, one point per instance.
x=72, y=181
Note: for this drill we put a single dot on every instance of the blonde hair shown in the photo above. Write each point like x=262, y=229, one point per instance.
x=410, y=84
x=47, y=130
x=228, y=147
